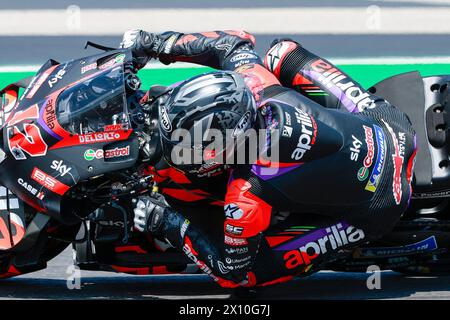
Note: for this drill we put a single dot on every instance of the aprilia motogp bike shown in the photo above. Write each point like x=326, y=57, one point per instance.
x=74, y=143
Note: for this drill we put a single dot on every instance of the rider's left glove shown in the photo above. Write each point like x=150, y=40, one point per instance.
x=144, y=45
x=149, y=212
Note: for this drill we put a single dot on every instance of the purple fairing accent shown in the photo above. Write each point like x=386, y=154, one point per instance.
x=272, y=172
x=176, y=84
x=338, y=93
x=44, y=125
x=313, y=236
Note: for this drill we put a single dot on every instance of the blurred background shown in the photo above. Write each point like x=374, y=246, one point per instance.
x=370, y=39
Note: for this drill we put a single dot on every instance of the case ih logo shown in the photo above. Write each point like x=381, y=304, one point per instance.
x=49, y=182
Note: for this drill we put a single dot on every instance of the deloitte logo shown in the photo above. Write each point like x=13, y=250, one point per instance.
x=91, y=154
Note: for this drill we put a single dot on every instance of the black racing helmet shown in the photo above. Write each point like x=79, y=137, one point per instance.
x=202, y=118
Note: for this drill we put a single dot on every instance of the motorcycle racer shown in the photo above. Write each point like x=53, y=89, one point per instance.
x=345, y=163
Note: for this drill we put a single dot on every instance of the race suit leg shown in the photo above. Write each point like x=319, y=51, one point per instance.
x=317, y=78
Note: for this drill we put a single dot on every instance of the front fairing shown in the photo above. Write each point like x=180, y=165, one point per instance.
x=42, y=160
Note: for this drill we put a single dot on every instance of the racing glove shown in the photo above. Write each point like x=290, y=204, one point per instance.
x=149, y=213
x=144, y=45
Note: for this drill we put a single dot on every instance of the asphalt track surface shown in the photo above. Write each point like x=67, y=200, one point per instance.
x=51, y=283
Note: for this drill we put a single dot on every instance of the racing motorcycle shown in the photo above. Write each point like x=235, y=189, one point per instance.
x=74, y=145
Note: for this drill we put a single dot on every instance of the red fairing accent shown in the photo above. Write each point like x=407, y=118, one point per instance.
x=136, y=249
x=161, y=270
x=12, y=272
x=242, y=34
x=279, y=280
x=174, y=175
x=186, y=195
x=256, y=212
x=90, y=138
x=138, y=271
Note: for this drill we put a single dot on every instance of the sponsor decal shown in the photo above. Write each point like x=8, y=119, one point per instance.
x=164, y=117
x=233, y=230
x=88, y=67
x=397, y=160
x=375, y=176
x=308, y=134
x=58, y=76
x=49, y=114
x=117, y=152
x=231, y=241
x=58, y=165
x=238, y=251
x=169, y=43
x=288, y=118
x=368, y=160
x=30, y=189
x=242, y=56
x=339, y=83
x=98, y=137
x=428, y=244
x=114, y=127
x=287, y=132
x=355, y=149
x=303, y=250
x=191, y=254
x=117, y=59
x=233, y=211
x=223, y=269
x=39, y=82
x=243, y=124
x=91, y=154
x=184, y=228
x=49, y=182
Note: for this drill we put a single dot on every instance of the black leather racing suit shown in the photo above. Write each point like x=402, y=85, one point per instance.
x=344, y=171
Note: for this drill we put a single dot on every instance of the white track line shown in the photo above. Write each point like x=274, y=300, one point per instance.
x=338, y=61
x=328, y=20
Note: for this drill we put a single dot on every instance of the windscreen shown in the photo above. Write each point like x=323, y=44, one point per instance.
x=94, y=105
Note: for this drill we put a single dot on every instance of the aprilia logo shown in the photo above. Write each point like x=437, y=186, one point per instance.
x=308, y=134
x=305, y=249
x=332, y=77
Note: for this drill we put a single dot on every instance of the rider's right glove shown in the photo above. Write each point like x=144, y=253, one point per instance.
x=149, y=213
x=144, y=45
